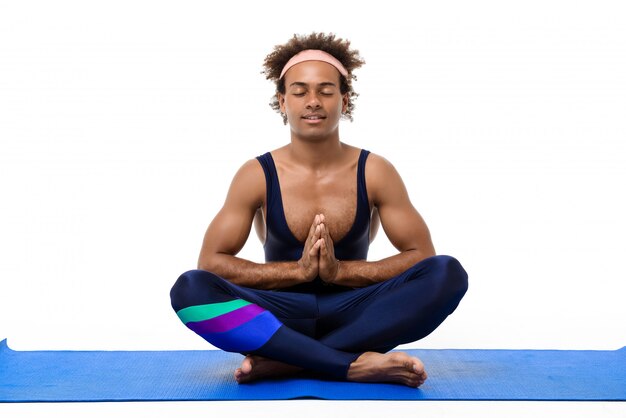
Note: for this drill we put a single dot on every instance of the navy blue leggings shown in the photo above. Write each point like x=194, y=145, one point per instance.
x=321, y=332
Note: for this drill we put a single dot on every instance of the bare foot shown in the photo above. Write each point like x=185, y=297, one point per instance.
x=395, y=367
x=256, y=367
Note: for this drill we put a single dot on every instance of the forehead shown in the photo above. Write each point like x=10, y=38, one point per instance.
x=312, y=72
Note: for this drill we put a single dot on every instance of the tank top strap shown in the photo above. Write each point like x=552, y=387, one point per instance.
x=271, y=180
x=363, y=204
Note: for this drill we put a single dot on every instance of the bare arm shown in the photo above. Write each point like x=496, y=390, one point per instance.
x=401, y=222
x=229, y=231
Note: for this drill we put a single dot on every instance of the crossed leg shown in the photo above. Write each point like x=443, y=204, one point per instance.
x=345, y=335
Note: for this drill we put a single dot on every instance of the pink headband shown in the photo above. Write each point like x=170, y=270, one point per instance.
x=314, y=55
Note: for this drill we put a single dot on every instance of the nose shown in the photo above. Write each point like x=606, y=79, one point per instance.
x=313, y=101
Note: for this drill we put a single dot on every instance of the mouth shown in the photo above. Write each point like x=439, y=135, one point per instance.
x=313, y=117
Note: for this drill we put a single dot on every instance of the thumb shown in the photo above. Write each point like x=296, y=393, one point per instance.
x=314, y=252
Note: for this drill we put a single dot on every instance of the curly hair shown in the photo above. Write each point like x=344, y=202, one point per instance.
x=337, y=47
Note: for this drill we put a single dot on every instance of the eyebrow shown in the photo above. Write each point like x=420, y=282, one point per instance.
x=301, y=84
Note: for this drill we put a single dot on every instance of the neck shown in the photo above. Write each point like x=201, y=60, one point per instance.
x=316, y=154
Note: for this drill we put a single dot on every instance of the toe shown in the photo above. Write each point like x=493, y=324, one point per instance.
x=238, y=374
x=246, y=366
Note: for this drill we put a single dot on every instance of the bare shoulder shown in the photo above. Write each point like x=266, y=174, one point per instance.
x=251, y=170
x=377, y=164
x=382, y=178
x=248, y=185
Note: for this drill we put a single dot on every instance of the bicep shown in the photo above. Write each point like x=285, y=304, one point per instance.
x=404, y=226
x=229, y=230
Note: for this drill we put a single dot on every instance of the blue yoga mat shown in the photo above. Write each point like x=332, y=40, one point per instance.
x=86, y=376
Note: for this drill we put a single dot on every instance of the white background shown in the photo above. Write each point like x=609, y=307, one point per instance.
x=123, y=122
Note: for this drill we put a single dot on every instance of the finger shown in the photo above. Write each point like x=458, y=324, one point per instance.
x=326, y=235
x=322, y=217
x=313, y=225
x=315, y=249
x=314, y=235
x=317, y=233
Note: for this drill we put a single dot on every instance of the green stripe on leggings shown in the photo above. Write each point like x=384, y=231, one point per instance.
x=211, y=310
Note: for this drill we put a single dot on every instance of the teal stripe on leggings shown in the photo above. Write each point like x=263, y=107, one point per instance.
x=211, y=310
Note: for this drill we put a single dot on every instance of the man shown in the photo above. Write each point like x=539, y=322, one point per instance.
x=316, y=203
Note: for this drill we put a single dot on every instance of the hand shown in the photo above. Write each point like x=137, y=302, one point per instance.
x=328, y=264
x=309, y=262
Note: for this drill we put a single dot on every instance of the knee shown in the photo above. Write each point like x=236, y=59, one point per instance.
x=189, y=287
x=453, y=276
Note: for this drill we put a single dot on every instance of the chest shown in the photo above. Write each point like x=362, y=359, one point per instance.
x=333, y=194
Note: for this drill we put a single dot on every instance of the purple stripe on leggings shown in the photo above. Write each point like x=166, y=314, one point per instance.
x=226, y=321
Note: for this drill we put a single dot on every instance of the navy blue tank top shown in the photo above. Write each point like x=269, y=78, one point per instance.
x=282, y=245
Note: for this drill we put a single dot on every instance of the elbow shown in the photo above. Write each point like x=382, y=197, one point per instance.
x=216, y=263
x=420, y=254
x=207, y=262
x=427, y=250
x=429, y=253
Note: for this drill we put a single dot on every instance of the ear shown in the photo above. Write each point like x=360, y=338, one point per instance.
x=344, y=105
x=281, y=101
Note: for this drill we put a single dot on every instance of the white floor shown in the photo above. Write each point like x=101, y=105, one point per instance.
x=315, y=408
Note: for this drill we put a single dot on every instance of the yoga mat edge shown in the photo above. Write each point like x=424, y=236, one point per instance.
x=187, y=375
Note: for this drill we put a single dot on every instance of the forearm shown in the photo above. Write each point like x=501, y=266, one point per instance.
x=274, y=275
x=365, y=273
